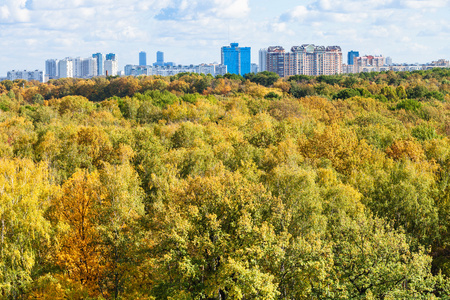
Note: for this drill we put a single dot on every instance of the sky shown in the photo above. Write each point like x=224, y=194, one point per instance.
x=193, y=31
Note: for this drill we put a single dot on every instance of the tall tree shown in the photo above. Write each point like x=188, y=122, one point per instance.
x=25, y=191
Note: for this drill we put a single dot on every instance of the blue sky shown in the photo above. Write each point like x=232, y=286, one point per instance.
x=192, y=31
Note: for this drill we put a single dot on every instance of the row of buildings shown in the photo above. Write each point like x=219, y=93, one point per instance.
x=169, y=70
x=320, y=60
x=307, y=59
x=97, y=65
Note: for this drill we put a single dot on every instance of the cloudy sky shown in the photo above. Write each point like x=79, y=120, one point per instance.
x=192, y=31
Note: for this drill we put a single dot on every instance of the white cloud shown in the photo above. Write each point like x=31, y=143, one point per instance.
x=422, y=4
x=231, y=8
x=14, y=11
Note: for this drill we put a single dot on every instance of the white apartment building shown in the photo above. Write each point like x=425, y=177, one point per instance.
x=65, y=68
x=111, y=67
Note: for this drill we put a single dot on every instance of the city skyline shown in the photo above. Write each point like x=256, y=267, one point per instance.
x=193, y=32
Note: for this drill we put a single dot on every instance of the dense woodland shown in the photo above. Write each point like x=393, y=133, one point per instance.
x=195, y=187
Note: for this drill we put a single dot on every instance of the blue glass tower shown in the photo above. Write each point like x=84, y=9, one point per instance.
x=237, y=59
x=110, y=56
x=142, y=58
x=351, y=55
x=99, y=57
x=160, y=58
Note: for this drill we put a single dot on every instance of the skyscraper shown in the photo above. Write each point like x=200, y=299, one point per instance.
x=351, y=56
x=160, y=58
x=237, y=59
x=142, y=58
x=262, y=60
x=51, y=68
x=65, y=68
x=110, y=56
x=99, y=58
x=111, y=65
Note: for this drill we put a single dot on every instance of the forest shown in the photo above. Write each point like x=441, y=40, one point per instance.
x=228, y=187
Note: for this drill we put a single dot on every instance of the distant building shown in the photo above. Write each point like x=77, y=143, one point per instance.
x=388, y=61
x=26, y=75
x=237, y=59
x=304, y=60
x=76, y=67
x=111, y=65
x=110, y=56
x=213, y=69
x=51, y=68
x=133, y=70
x=351, y=56
x=159, y=59
x=262, y=60
x=88, y=68
x=347, y=69
x=142, y=58
x=368, y=63
x=277, y=60
x=99, y=58
x=65, y=68
x=440, y=63
x=255, y=68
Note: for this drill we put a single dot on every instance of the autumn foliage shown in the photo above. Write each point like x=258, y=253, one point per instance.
x=195, y=187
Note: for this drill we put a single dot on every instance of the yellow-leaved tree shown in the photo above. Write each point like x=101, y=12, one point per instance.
x=98, y=215
x=24, y=196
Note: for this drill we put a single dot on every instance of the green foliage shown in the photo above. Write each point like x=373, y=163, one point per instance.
x=191, y=98
x=264, y=78
x=301, y=90
x=409, y=104
x=38, y=99
x=347, y=93
x=272, y=96
x=424, y=132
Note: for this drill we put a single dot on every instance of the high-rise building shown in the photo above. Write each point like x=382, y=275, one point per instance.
x=88, y=68
x=111, y=65
x=276, y=60
x=237, y=59
x=65, y=68
x=84, y=67
x=255, y=68
x=76, y=67
x=388, y=61
x=51, y=68
x=160, y=58
x=110, y=56
x=262, y=60
x=305, y=60
x=351, y=56
x=142, y=58
x=99, y=58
